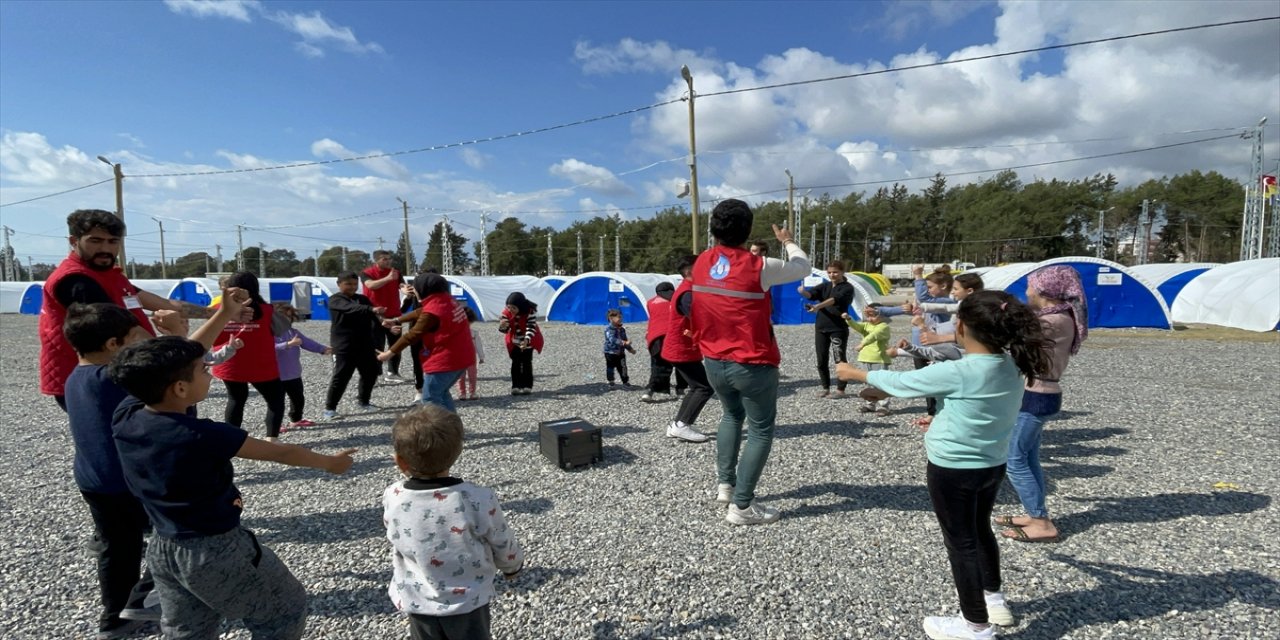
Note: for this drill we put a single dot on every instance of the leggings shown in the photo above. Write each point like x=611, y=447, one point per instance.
x=468, y=377
x=238, y=394
x=826, y=344
x=293, y=390
x=963, y=500
x=694, y=375
x=521, y=368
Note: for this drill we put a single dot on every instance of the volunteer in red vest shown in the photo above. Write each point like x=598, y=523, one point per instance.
x=381, y=284
x=678, y=349
x=255, y=363
x=88, y=275
x=730, y=308
x=655, y=335
x=441, y=324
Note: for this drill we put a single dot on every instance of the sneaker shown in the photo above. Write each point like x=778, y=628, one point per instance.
x=121, y=629
x=682, y=431
x=393, y=378
x=526, y=391
x=837, y=394
x=329, y=415
x=955, y=628
x=998, y=610
x=144, y=614
x=822, y=394
x=649, y=397
x=515, y=391
x=367, y=407
x=297, y=424
x=882, y=412
x=724, y=493
x=753, y=514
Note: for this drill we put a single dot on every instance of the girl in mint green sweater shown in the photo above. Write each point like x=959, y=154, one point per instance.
x=968, y=444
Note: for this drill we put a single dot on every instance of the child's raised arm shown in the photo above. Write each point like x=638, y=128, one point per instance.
x=295, y=456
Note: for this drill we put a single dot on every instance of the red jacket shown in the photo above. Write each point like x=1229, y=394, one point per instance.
x=256, y=360
x=731, y=312
x=388, y=295
x=678, y=347
x=57, y=357
x=657, y=308
x=516, y=327
x=449, y=347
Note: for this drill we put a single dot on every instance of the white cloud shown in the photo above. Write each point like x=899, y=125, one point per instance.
x=631, y=55
x=474, y=158
x=384, y=166
x=316, y=31
x=591, y=177
x=232, y=9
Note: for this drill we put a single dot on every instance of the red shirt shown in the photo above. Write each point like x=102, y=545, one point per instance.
x=731, y=312
x=678, y=347
x=449, y=347
x=657, y=308
x=256, y=360
x=388, y=295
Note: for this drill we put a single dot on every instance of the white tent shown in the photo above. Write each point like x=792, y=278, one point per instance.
x=487, y=295
x=1243, y=295
x=194, y=290
x=157, y=286
x=1170, y=278
x=21, y=297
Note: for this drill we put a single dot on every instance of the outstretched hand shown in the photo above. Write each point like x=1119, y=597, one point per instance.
x=783, y=235
x=340, y=462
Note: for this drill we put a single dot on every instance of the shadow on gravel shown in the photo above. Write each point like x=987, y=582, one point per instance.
x=1159, y=508
x=534, y=578
x=319, y=528
x=345, y=603
x=1133, y=593
x=852, y=429
x=364, y=463
x=1067, y=443
x=530, y=506
x=837, y=497
x=610, y=630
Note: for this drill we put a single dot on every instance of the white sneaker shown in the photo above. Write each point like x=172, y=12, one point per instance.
x=682, y=431
x=393, y=378
x=649, y=397
x=955, y=628
x=753, y=514
x=998, y=610
x=367, y=407
x=329, y=415
x=724, y=493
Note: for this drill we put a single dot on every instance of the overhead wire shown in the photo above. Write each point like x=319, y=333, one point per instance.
x=50, y=195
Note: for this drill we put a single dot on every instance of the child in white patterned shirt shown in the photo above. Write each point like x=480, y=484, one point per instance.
x=448, y=536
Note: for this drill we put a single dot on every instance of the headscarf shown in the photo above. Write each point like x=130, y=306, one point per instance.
x=1062, y=283
x=249, y=282
x=430, y=283
x=665, y=290
x=521, y=303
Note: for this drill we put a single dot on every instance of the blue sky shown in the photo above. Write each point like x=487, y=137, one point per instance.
x=188, y=87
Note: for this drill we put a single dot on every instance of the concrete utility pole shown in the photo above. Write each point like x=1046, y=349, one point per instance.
x=601, y=254
x=206, y=262
x=484, y=243
x=826, y=241
x=164, y=270
x=693, y=160
x=218, y=247
x=119, y=175
x=550, y=263
x=1102, y=233
x=408, y=249
x=839, y=229
x=344, y=258
x=791, y=206
x=446, y=249
x=617, y=245
x=315, y=265
x=813, y=235
x=380, y=243
x=31, y=268
x=240, y=244
x=262, y=260
x=579, y=253
x=8, y=256
x=133, y=266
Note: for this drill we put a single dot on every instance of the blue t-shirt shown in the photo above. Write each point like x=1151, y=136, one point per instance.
x=180, y=468
x=92, y=398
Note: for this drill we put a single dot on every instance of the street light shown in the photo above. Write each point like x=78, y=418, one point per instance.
x=119, y=174
x=693, y=157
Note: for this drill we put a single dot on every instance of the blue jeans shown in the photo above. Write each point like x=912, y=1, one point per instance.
x=436, y=387
x=748, y=393
x=1024, y=470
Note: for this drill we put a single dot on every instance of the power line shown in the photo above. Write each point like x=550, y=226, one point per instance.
x=50, y=195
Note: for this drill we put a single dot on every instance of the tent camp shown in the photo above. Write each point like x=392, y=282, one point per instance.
x=1243, y=295
x=199, y=291
x=157, y=286
x=555, y=282
x=21, y=297
x=487, y=295
x=1169, y=279
x=585, y=299
x=1117, y=297
x=788, y=304
x=316, y=291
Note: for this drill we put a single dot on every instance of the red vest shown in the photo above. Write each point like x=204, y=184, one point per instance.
x=678, y=347
x=515, y=328
x=657, y=308
x=449, y=347
x=57, y=357
x=731, y=312
x=388, y=295
x=256, y=360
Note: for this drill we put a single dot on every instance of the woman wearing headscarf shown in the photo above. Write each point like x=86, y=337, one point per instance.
x=255, y=362
x=1057, y=296
x=440, y=324
x=523, y=337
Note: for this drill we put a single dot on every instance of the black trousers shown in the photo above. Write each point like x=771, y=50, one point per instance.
x=297, y=401
x=963, y=500
x=238, y=394
x=825, y=343
x=616, y=361
x=415, y=352
x=473, y=625
x=521, y=367
x=383, y=338
x=930, y=402
x=660, y=370
x=346, y=364
x=695, y=376
x=120, y=523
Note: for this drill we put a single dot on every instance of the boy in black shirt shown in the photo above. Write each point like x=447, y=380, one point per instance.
x=207, y=567
x=830, y=333
x=351, y=335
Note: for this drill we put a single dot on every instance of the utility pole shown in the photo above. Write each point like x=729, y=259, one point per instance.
x=133, y=266
x=240, y=244
x=813, y=235
x=8, y=256
x=1102, y=232
x=579, y=253
x=206, y=263
x=839, y=228
x=601, y=254
x=31, y=268
x=344, y=257
x=617, y=244
x=219, y=249
x=408, y=249
x=380, y=243
x=693, y=160
x=826, y=241
x=315, y=265
x=446, y=249
x=262, y=260
x=1253, y=221
x=550, y=263
x=164, y=270
x=791, y=206
x=484, y=243
x=118, y=172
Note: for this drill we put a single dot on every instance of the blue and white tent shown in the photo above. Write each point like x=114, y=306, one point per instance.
x=1171, y=278
x=1243, y=295
x=21, y=297
x=487, y=295
x=1118, y=298
x=788, y=304
x=586, y=298
x=199, y=291
x=555, y=282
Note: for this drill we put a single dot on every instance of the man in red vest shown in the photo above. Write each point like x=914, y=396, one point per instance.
x=382, y=286
x=729, y=307
x=88, y=275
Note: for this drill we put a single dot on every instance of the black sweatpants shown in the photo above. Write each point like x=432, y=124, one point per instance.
x=660, y=370
x=963, y=500
x=930, y=402
x=521, y=367
x=238, y=394
x=297, y=401
x=473, y=625
x=344, y=366
x=695, y=376
x=415, y=352
x=120, y=524
x=826, y=343
x=383, y=338
x=616, y=361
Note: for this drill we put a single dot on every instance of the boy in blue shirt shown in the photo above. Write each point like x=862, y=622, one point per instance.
x=207, y=567
x=616, y=346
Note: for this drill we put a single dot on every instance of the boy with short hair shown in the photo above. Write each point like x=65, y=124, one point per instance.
x=616, y=346
x=206, y=566
x=448, y=537
x=355, y=322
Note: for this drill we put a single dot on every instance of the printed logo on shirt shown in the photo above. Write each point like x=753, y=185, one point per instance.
x=720, y=270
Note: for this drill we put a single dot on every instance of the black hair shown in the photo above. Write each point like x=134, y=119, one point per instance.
x=147, y=369
x=88, y=327
x=471, y=314
x=82, y=221
x=247, y=281
x=613, y=313
x=836, y=264
x=347, y=275
x=731, y=222
x=1002, y=323
x=969, y=281
x=686, y=263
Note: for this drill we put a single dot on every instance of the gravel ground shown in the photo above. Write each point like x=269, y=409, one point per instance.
x=1162, y=468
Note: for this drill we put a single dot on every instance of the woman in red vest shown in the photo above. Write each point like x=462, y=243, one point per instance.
x=679, y=349
x=440, y=323
x=254, y=363
x=523, y=337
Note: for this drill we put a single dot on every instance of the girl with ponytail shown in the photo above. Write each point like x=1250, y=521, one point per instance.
x=968, y=443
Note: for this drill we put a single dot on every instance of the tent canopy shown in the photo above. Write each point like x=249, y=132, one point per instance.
x=1117, y=297
x=1243, y=295
x=21, y=297
x=487, y=295
x=1169, y=279
x=788, y=304
x=586, y=298
x=199, y=291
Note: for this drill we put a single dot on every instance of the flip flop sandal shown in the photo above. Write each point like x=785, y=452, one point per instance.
x=1006, y=521
x=1018, y=534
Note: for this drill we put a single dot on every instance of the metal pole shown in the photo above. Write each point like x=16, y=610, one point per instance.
x=791, y=204
x=219, y=249
x=550, y=262
x=262, y=260
x=240, y=244
x=579, y=253
x=315, y=265
x=693, y=158
x=408, y=249
x=446, y=249
x=164, y=271
x=601, y=254
x=1102, y=233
